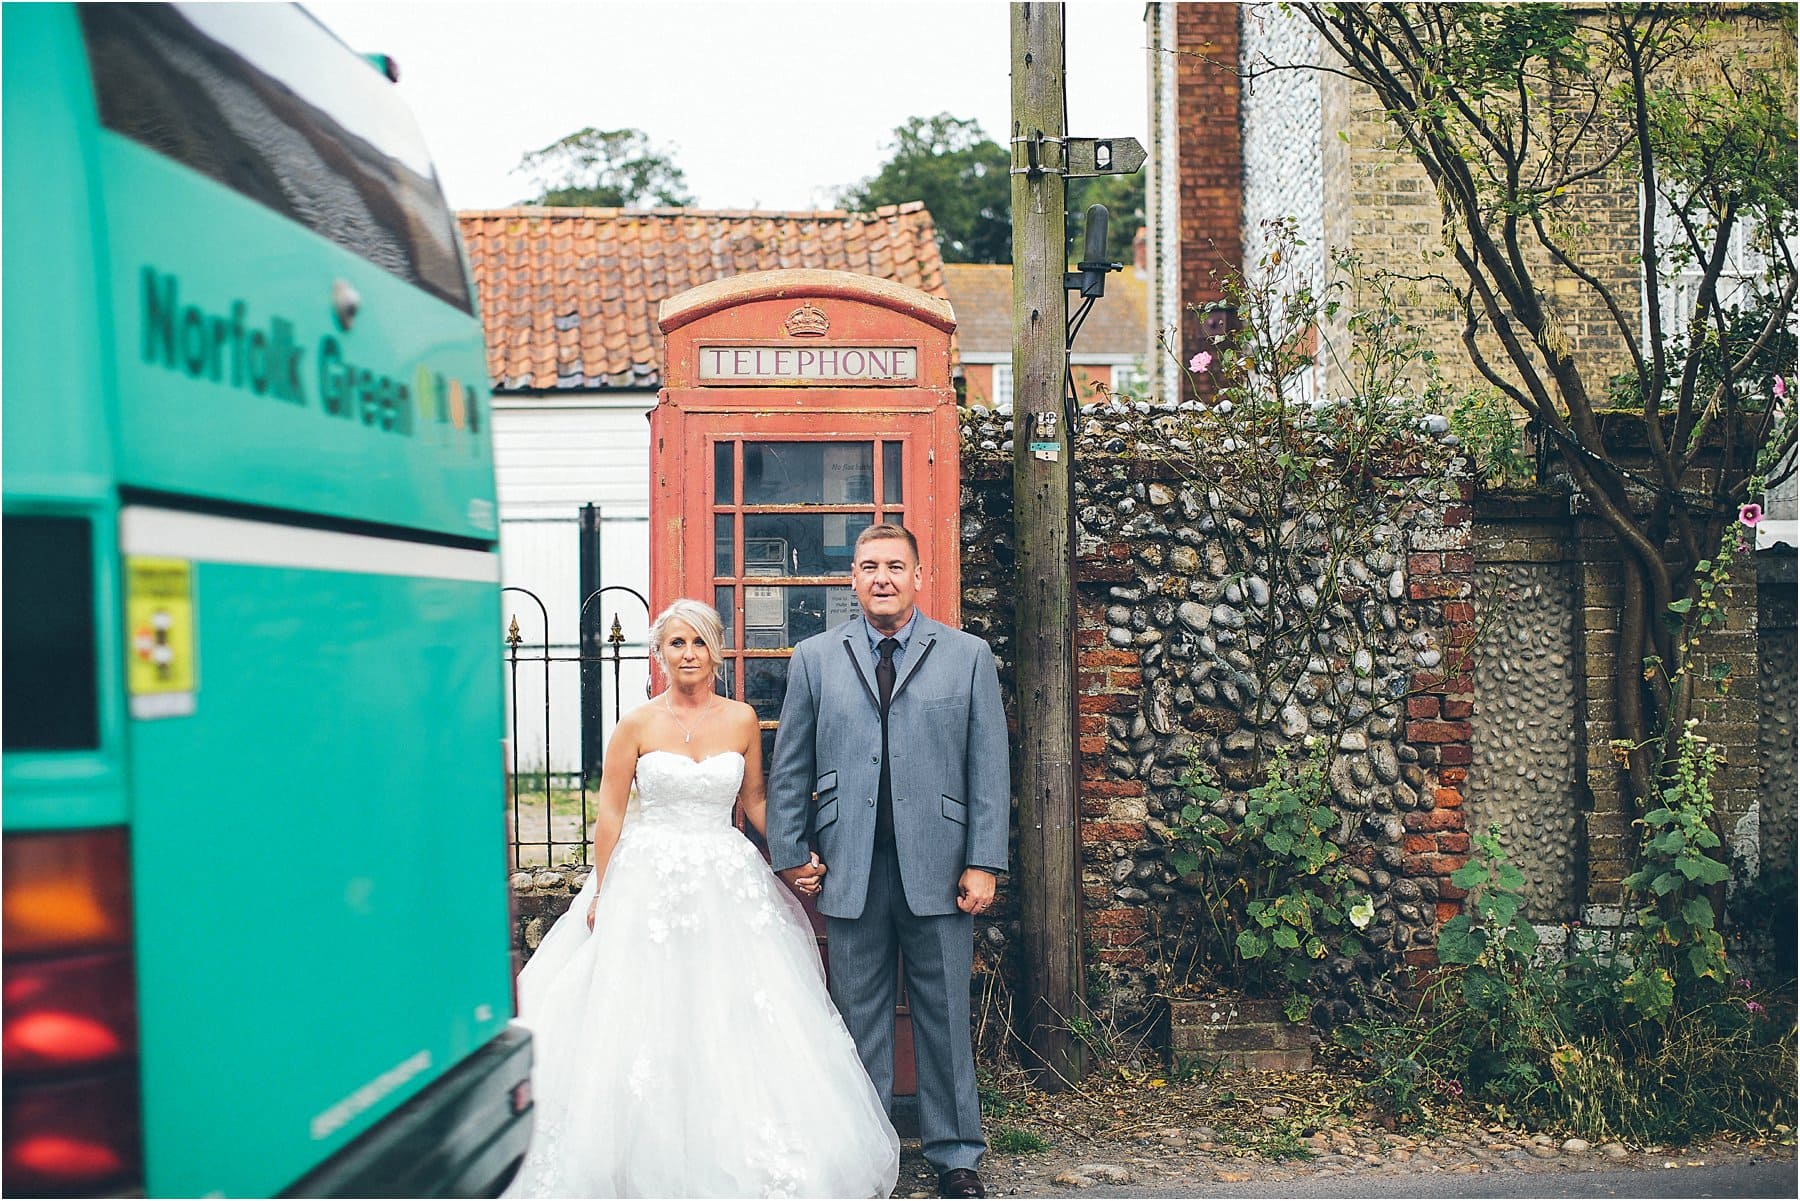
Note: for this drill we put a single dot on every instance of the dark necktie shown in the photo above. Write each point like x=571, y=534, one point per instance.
x=884, y=792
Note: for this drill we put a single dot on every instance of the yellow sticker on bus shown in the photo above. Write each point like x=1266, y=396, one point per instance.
x=159, y=619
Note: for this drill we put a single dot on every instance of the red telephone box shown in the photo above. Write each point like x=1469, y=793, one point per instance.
x=799, y=407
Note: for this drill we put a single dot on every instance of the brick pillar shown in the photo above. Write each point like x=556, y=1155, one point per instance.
x=1728, y=710
x=1608, y=833
x=1113, y=812
x=1440, y=574
x=1210, y=158
x=1727, y=715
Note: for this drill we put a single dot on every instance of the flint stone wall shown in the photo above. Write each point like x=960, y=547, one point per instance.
x=1527, y=739
x=540, y=896
x=1775, y=640
x=1165, y=631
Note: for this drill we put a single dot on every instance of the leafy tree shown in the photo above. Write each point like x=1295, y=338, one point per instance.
x=605, y=168
x=960, y=174
x=1521, y=115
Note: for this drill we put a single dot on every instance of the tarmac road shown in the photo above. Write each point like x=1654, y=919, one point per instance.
x=1752, y=1177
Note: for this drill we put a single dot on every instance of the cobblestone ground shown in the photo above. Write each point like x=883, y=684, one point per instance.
x=1157, y=1137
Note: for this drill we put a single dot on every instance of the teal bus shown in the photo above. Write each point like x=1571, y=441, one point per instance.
x=256, y=934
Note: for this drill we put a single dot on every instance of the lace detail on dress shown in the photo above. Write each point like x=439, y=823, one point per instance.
x=781, y=1159
x=684, y=834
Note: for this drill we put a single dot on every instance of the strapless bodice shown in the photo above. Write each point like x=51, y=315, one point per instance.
x=674, y=788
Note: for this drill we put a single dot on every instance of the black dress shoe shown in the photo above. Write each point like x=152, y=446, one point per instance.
x=960, y=1182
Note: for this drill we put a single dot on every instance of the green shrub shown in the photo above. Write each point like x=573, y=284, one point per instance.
x=1676, y=948
x=1275, y=894
x=1581, y=1042
x=1485, y=422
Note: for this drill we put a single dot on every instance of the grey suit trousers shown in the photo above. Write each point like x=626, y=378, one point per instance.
x=939, y=954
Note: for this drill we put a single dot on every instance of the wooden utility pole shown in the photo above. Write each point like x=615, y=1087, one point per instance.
x=1043, y=545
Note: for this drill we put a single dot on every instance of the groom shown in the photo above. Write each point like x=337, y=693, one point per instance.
x=892, y=756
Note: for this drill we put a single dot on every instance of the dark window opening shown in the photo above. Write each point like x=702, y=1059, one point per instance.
x=263, y=99
x=49, y=659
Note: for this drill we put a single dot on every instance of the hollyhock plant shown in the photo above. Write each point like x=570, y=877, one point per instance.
x=1750, y=514
x=1780, y=388
x=1200, y=362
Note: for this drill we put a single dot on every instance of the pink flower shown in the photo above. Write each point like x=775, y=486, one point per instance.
x=1750, y=514
x=1200, y=362
x=1753, y=1006
x=1780, y=387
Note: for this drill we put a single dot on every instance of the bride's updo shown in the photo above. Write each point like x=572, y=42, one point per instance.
x=705, y=620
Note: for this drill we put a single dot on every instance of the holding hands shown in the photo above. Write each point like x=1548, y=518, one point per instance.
x=808, y=878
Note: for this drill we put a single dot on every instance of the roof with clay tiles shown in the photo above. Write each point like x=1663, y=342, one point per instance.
x=569, y=295
x=982, y=296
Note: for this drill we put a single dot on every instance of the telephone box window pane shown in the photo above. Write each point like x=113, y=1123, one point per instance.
x=840, y=606
x=890, y=473
x=722, y=556
x=722, y=473
x=765, y=684
x=722, y=601
x=776, y=616
x=801, y=543
x=809, y=473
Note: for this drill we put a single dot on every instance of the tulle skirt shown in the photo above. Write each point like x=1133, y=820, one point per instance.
x=687, y=1047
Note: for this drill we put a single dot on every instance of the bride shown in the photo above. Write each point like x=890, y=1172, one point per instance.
x=684, y=1043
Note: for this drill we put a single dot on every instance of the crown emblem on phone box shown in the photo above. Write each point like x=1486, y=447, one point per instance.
x=807, y=321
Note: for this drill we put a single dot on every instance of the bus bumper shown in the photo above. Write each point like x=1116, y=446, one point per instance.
x=458, y=1138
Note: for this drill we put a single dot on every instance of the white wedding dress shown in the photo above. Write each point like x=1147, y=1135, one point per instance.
x=687, y=1046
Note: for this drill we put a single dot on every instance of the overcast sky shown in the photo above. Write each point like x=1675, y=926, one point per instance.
x=763, y=103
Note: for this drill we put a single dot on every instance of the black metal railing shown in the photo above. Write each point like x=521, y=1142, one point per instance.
x=550, y=810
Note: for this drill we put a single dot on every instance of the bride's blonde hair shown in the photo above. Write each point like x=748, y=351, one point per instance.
x=705, y=620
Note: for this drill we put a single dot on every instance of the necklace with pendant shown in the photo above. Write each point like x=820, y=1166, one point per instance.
x=684, y=726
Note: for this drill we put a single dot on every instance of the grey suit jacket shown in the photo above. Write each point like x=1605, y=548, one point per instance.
x=947, y=751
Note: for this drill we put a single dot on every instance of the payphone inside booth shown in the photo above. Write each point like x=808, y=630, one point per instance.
x=799, y=407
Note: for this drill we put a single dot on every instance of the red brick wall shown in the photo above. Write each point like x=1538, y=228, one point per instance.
x=1113, y=812
x=1210, y=157
x=1442, y=579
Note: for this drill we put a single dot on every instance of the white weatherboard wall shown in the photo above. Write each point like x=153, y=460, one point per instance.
x=551, y=456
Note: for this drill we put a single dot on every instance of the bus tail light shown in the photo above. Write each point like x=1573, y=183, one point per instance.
x=79, y=1137
x=66, y=891
x=69, y=1032
x=67, y=1013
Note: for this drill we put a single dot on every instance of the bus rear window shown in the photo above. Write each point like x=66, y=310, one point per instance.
x=263, y=99
x=48, y=658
